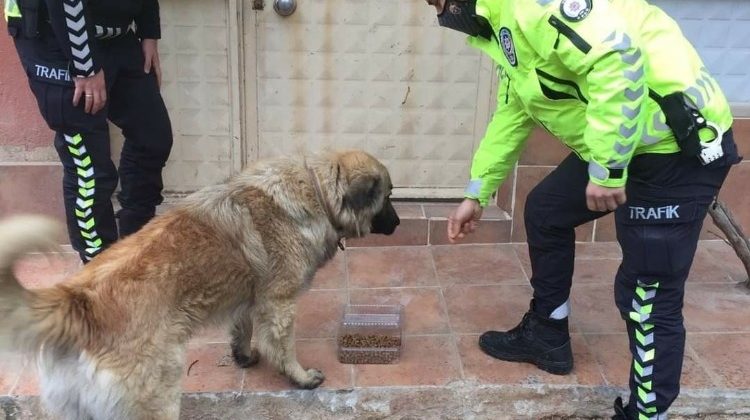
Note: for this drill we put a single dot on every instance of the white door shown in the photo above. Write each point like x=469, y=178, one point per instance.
x=378, y=75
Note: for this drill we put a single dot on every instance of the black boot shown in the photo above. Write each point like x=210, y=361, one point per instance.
x=542, y=341
x=621, y=413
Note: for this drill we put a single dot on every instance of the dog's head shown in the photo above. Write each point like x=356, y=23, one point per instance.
x=365, y=188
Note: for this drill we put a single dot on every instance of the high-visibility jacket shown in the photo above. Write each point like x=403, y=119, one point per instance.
x=583, y=70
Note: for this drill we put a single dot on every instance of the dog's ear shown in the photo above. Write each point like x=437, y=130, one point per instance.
x=362, y=192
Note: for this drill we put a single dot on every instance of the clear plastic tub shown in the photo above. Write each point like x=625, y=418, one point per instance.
x=370, y=334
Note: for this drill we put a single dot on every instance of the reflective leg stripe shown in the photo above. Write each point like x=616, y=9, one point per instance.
x=85, y=196
x=643, y=368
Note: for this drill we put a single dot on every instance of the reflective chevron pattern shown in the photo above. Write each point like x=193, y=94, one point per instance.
x=635, y=93
x=643, y=369
x=85, y=199
x=107, y=32
x=78, y=36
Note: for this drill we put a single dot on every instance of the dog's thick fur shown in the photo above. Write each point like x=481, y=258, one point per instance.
x=110, y=341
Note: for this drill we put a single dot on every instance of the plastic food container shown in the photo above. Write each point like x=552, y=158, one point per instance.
x=370, y=334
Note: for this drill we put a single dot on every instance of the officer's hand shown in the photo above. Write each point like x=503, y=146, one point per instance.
x=93, y=89
x=600, y=198
x=151, y=58
x=464, y=219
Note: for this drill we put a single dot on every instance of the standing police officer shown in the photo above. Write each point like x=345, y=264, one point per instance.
x=89, y=62
x=651, y=136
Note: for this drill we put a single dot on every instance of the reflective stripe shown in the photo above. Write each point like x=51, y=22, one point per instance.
x=473, y=188
x=85, y=199
x=598, y=171
x=562, y=311
x=75, y=21
x=645, y=351
x=11, y=9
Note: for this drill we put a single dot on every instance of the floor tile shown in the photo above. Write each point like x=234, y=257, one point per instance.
x=425, y=360
x=492, y=231
x=209, y=368
x=595, y=271
x=409, y=211
x=411, y=232
x=727, y=355
x=443, y=211
x=212, y=334
x=477, y=264
x=424, y=310
x=488, y=370
x=28, y=382
x=312, y=354
x=613, y=354
x=476, y=309
x=594, y=310
x=319, y=313
x=37, y=271
x=717, y=307
x=724, y=255
x=11, y=367
x=391, y=267
x=332, y=275
x=597, y=250
x=707, y=268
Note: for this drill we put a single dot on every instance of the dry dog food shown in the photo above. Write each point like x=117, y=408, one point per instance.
x=370, y=334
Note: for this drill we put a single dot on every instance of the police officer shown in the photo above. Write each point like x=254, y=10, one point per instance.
x=89, y=62
x=651, y=136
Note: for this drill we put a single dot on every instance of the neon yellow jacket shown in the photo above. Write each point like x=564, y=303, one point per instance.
x=584, y=73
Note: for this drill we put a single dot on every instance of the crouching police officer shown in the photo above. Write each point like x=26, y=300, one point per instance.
x=89, y=62
x=651, y=136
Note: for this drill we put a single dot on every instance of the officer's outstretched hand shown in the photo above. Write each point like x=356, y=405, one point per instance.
x=600, y=198
x=151, y=58
x=464, y=219
x=93, y=89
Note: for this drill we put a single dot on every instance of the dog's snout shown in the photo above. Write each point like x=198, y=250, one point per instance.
x=386, y=221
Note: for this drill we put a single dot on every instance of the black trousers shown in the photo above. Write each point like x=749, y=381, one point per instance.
x=82, y=140
x=658, y=229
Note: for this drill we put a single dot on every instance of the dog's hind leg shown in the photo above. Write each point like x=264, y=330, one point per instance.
x=244, y=351
x=275, y=337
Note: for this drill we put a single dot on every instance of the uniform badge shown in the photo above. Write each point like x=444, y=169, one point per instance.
x=506, y=42
x=575, y=10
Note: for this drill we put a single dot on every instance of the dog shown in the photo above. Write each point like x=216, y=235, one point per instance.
x=110, y=341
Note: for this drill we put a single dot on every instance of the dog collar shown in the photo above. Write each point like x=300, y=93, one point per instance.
x=324, y=203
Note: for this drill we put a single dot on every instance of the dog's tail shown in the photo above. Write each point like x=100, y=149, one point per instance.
x=26, y=316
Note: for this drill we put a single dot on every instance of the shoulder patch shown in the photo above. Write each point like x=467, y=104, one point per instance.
x=506, y=43
x=575, y=10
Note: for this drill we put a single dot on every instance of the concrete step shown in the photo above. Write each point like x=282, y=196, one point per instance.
x=458, y=400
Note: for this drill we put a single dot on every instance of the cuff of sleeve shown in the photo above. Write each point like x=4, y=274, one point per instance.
x=84, y=71
x=607, y=177
x=474, y=191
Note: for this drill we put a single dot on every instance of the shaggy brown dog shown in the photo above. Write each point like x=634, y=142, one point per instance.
x=111, y=340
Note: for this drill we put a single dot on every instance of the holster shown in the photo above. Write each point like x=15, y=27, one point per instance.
x=684, y=120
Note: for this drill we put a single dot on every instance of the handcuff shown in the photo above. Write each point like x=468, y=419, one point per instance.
x=711, y=150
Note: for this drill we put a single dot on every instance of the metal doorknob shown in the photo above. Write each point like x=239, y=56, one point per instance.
x=284, y=7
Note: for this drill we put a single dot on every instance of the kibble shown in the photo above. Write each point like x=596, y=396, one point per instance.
x=369, y=348
x=369, y=341
x=367, y=357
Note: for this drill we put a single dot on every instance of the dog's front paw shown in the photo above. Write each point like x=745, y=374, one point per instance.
x=244, y=360
x=313, y=380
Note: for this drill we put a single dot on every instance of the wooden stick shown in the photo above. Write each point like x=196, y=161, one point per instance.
x=725, y=221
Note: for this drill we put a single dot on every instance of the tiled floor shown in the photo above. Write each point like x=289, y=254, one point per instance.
x=452, y=294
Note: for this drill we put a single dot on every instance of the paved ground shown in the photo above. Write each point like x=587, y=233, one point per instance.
x=451, y=295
